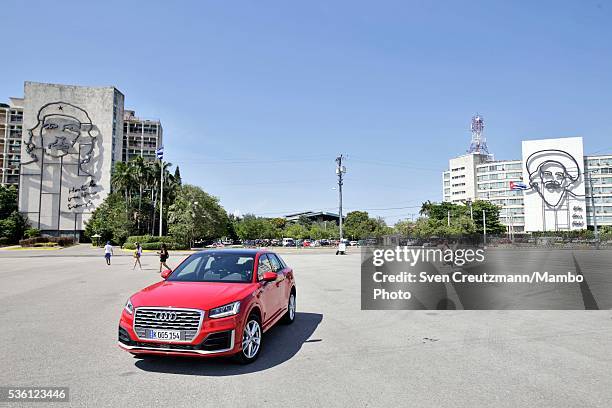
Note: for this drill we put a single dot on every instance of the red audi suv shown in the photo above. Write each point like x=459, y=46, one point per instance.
x=216, y=302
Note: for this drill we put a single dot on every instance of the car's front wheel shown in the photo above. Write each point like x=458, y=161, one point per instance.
x=251, y=340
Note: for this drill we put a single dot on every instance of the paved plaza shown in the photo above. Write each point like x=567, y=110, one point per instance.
x=59, y=311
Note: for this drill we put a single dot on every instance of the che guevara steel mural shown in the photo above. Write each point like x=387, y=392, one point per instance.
x=66, y=135
x=553, y=175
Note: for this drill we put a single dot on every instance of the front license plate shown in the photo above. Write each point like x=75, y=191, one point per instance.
x=168, y=335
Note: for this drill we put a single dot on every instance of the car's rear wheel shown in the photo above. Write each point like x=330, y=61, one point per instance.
x=250, y=346
x=289, y=316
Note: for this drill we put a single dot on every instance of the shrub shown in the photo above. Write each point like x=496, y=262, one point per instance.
x=156, y=246
x=4, y=241
x=61, y=241
x=145, y=239
x=32, y=233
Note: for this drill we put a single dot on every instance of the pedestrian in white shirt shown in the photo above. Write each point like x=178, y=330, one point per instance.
x=108, y=252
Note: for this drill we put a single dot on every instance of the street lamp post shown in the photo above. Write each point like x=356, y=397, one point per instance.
x=469, y=202
x=484, y=227
x=593, y=212
x=340, y=171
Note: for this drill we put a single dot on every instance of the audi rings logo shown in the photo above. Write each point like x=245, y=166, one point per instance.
x=166, y=316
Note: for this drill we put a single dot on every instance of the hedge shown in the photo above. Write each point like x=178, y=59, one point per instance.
x=61, y=241
x=144, y=239
x=157, y=246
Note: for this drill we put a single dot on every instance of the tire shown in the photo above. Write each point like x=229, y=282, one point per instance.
x=289, y=316
x=251, y=340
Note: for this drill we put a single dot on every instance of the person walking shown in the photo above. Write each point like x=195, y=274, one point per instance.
x=137, y=255
x=163, y=257
x=108, y=252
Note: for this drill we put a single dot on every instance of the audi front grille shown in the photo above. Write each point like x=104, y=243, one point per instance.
x=187, y=320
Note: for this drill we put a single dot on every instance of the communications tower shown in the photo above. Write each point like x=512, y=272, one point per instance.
x=479, y=142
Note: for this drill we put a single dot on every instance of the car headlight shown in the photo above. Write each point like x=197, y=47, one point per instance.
x=225, y=310
x=129, y=307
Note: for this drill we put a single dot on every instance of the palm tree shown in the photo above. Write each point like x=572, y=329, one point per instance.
x=122, y=179
x=426, y=208
x=138, y=166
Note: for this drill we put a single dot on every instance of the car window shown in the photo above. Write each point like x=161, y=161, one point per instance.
x=263, y=267
x=281, y=260
x=276, y=265
x=215, y=267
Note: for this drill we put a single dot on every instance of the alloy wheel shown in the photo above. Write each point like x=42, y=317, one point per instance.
x=292, y=306
x=251, y=339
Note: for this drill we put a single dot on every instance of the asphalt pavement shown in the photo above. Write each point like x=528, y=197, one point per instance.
x=59, y=312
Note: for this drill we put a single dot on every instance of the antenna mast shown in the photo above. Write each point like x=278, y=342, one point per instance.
x=479, y=142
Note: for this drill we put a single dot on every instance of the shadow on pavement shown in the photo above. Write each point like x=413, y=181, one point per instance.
x=280, y=344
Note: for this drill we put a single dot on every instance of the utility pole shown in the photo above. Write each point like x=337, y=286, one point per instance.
x=484, y=227
x=160, y=155
x=340, y=170
x=161, y=197
x=448, y=218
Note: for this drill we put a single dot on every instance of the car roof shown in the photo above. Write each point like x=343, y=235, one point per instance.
x=236, y=251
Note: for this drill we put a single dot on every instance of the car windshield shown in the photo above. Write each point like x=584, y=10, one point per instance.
x=215, y=267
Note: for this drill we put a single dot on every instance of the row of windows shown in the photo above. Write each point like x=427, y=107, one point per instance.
x=517, y=175
x=507, y=201
x=512, y=211
x=505, y=193
x=600, y=190
x=458, y=184
x=599, y=162
x=499, y=167
x=601, y=219
x=458, y=168
x=458, y=177
x=602, y=180
x=458, y=192
x=493, y=185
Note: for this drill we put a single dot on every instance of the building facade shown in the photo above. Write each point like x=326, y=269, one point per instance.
x=59, y=144
x=141, y=137
x=11, y=123
x=549, y=189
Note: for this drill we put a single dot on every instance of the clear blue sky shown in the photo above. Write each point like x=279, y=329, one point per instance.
x=257, y=98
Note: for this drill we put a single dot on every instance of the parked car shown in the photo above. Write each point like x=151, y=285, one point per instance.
x=288, y=242
x=307, y=243
x=354, y=243
x=215, y=303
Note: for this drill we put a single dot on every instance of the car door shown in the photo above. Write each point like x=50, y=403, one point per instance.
x=268, y=292
x=283, y=282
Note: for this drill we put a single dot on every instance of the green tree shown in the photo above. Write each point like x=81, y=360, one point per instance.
x=494, y=226
x=404, y=227
x=12, y=223
x=296, y=230
x=196, y=215
x=8, y=201
x=110, y=220
x=359, y=225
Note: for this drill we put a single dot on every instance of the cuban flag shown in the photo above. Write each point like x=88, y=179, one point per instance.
x=517, y=185
x=160, y=153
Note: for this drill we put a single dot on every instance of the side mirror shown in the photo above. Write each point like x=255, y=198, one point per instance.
x=270, y=276
x=166, y=273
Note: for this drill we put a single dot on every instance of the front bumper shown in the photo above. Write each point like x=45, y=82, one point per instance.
x=216, y=337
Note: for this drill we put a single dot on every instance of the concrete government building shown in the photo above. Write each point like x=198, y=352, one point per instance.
x=59, y=144
x=551, y=188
